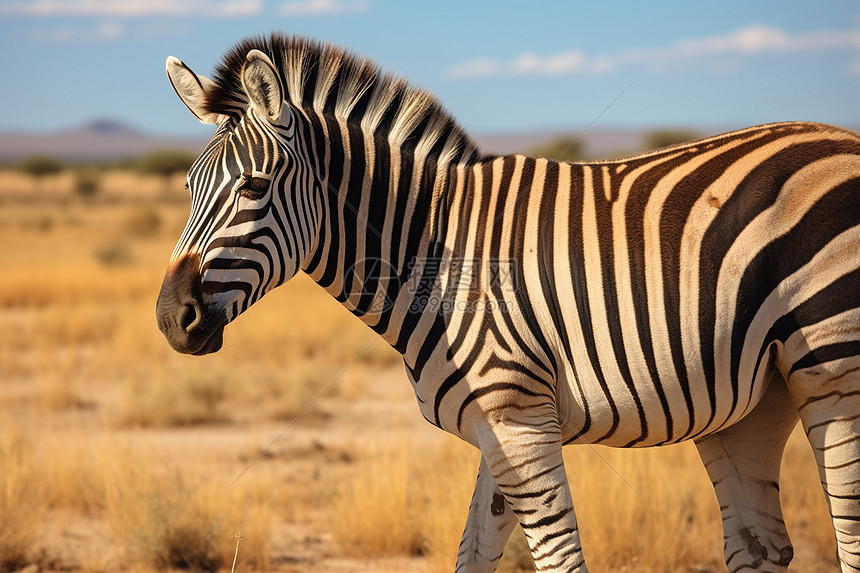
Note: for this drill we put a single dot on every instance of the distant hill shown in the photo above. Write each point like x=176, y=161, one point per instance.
x=106, y=139
x=97, y=140
x=597, y=142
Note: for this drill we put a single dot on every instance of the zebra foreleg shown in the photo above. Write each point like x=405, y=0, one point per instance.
x=522, y=449
x=743, y=462
x=828, y=399
x=488, y=527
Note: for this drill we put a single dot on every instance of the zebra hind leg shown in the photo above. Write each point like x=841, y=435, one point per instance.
x=488, y=526
x=743, y=462
x=828, y=399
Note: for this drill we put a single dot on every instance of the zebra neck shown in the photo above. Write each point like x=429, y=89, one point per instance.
x=380, y=221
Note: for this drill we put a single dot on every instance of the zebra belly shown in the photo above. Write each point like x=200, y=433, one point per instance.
x=638, y=413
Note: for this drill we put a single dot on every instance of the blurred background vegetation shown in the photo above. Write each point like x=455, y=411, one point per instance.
x=166, y=164
x=572, y=148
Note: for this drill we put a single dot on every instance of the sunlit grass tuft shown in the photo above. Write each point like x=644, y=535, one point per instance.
x=634, y=504
x=376, y=508
x=408, y=500
x=22, y=507
x=168, y=520
x=175, y=402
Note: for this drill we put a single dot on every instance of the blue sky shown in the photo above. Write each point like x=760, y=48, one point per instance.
x=498, y=66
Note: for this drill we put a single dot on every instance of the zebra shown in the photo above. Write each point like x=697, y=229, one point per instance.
x=708, y=291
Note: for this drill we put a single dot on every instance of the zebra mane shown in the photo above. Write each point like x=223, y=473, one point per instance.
x=331, y=81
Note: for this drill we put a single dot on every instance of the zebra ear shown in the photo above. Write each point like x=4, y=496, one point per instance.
x=191, y=89
x=263, y=85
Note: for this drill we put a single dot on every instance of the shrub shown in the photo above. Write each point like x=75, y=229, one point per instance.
x=560, y=150
x=166, y=523
x=175, y=403
x=666, y=137
x=114, y=255
x=142, y=222
x=165, y=164
x=86, y=183
x=40, y=166
x=408, y=502
x=169, y=522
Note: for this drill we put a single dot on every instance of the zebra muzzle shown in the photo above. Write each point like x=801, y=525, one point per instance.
x=182, y=316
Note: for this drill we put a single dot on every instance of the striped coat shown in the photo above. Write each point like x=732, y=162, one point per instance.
x=709, y=291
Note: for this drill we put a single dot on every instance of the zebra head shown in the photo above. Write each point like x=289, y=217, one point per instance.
x=252, y=220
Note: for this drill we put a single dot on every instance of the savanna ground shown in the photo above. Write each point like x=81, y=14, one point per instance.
x=117, y=454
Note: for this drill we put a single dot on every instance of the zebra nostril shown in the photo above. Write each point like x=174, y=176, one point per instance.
x=192, y=315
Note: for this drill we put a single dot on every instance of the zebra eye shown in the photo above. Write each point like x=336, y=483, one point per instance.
x=253, y=188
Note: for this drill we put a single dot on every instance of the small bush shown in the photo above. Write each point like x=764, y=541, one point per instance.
x=175, y=403
x=165, y=164
x=114, y=255
x=39, y=167
x=560, y=150
x=180, y=537
x=143, y=222
x=86, y=183
x=665, y=137
x=378, y=509
x=168, y=522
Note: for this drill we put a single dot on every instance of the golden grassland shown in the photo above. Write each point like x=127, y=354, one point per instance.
x=118, y=454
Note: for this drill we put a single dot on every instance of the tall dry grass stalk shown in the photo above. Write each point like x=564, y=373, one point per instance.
x=375, y=508
x=408, y=500
x=22, y=508
x=650, y=509
x=71, y=470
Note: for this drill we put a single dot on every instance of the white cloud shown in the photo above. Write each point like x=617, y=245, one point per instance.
x=752, y=40
x=477, y=68
x=133, y=8
x=562, y=63
x=322, y=7
x=524, y=64
x=238, y=8
x=104, y=32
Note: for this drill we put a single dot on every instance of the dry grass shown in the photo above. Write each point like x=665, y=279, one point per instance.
x=22, y=508
x=633, y=504
x=160, y=516
x=407, y=500
x=167, y=520
x=164, y=402
x=377, y=508
x=101, y=420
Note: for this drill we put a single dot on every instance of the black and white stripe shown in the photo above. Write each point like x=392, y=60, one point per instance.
x=708, y=291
